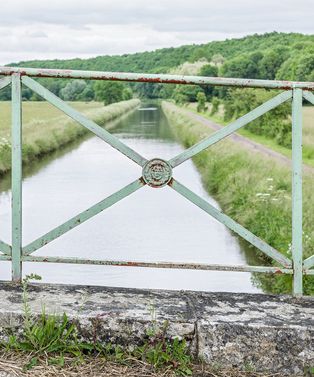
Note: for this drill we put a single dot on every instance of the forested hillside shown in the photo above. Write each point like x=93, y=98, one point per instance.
x=271, y=55
x=287, y=56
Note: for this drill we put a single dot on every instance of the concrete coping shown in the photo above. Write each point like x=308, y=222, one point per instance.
x=267, y=332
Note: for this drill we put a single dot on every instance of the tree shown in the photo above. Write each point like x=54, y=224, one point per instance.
x=199, y=53
x=272, y=60
x=72, y=90
x=127, y=94
x=148, y=89
x=209, y=70
x=201, y=102
x=298, y=68
x=109, y=91
x=215, y=105
x=305, y=68
x=274, y=124
x=186, y=93
x=87, y=94
x=218, y=60
x=244, y=66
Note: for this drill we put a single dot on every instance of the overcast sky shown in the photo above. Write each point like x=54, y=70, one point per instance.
x=34, y=29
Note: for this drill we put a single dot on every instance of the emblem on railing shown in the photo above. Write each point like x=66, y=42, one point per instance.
x=157, y=172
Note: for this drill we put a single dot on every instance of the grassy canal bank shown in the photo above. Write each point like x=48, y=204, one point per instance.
x=253, y=189
x=46, y=129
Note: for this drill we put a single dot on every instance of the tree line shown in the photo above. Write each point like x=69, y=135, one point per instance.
x=287, y=56
x=284, y=56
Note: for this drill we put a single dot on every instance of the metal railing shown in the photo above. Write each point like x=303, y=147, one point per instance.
x=157, y=172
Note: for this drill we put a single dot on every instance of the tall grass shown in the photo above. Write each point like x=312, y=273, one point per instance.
x=252, y=189
x=46, y=129
x=308, y=131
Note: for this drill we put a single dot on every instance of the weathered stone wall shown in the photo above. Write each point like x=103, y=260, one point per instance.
x=268, y=333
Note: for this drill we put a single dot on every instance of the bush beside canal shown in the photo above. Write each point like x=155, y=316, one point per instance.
x=45, y=129
x=254, y=190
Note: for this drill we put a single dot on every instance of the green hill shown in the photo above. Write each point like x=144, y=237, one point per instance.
x=272, y=55
x=162, y=60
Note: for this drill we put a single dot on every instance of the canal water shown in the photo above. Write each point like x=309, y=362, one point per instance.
x=150, y=225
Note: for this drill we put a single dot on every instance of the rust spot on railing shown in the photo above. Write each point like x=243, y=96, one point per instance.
x=278, y=271
x=142, y=181
x=170, y=183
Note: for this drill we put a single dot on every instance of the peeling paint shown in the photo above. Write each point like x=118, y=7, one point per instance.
x=156, y=78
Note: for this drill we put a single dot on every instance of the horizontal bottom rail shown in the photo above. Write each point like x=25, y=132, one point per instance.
x=184, y=266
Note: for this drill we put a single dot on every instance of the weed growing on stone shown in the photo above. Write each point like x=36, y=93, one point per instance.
x=48, y=334
x=161, y=352
x=55, y=338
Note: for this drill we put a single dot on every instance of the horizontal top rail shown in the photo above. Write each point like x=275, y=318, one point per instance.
x=156, y=78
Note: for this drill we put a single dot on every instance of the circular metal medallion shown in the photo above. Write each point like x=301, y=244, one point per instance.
x=157, y=172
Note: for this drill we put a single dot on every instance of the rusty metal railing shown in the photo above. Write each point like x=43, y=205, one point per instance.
x=157, y=172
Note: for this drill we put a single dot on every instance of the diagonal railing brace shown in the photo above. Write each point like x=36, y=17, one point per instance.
x=89, y=124
x=232, y=127
x=83, y=216
x=230, y=223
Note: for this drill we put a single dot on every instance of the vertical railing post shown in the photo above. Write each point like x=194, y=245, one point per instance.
x=16, y=178
x=297, y=254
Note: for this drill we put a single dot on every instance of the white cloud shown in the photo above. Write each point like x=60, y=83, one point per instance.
x=78, y=28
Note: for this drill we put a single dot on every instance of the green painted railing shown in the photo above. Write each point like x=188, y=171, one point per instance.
x=157, y=172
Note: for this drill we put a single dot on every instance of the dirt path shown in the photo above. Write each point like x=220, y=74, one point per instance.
x=245, y=142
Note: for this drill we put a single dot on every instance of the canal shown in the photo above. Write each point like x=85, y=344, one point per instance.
x=149, y=225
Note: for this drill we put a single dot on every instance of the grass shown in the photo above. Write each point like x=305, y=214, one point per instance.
x=253, y=190
x=46, y=129
x=308, y=132
x=98, y=366
x=53, y=339
x=50, y=345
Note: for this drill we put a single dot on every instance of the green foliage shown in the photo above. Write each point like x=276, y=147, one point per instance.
x=209, y=70
x=215, y=106
x=272, y=61
x=148, y=90
x=54, y=336
x=201, y=102
x=45, y=334
x=305, y=68
x=218, y=60
x=309, y=371
x=299, y=67
x=127, y=94
x=186, y=93
x=73, y=90
x=161, y=352
x=275, y=54
x=274, y=124
x=247, y=66
x=111, y=91
x=48, y=334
